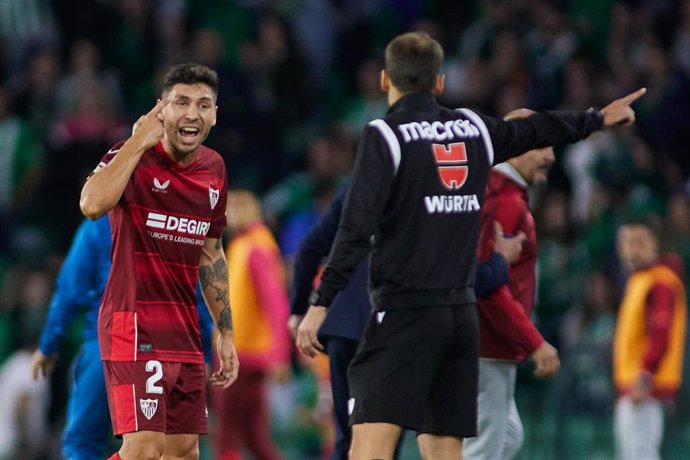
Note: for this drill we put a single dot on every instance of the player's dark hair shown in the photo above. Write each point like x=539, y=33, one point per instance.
x=413, y=61
x=649, y=220
x=190, y=74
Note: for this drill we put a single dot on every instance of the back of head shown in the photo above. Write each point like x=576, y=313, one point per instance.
x=190, y=74
x=413, y=61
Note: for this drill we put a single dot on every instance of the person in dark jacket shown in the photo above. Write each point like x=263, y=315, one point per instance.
x=347, y=317
x=418, y=188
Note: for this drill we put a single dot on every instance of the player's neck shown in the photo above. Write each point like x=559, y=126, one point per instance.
x=181, y=158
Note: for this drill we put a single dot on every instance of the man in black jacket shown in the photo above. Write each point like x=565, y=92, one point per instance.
x=347, y=316
x=418, y=187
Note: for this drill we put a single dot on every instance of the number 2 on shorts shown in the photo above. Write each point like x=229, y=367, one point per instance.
x=157, y=368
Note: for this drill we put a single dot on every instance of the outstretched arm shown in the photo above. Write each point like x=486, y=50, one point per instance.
x=542, y=129
x=213, y=275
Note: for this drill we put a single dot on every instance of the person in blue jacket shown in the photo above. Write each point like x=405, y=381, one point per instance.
x=350, y=310
x=79, y=289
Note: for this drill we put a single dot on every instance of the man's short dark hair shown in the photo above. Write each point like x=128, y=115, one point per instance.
x=413, y=61
x=649, y=220
x=190, y=74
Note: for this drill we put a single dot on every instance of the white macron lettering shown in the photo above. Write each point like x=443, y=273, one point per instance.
x=438, y=131
x=451, y=204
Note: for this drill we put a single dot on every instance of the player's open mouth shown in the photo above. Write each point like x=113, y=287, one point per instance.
x=189, y=133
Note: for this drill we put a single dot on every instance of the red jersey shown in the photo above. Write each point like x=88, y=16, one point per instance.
x=506, y=330
x=159, y=227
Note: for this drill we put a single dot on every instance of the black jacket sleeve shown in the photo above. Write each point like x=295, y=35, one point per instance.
x=491, y=274
x=514, y=137
x=372, y=177
x=313, y=249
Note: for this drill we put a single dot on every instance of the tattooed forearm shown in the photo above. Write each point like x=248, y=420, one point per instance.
x=225, y=321
x=205, y=276
x=213, y=276
x=220, y=269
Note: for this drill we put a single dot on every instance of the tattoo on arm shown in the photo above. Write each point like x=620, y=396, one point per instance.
x=225, y=321
x=215, y=277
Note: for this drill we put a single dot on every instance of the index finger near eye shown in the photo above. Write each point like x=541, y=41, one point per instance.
x=162, y=103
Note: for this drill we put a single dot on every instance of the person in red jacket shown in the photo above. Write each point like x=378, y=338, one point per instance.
x=507, y=334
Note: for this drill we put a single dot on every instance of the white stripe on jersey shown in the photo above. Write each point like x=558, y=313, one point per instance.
x=391, y=140
x=477, y=120
x=136, y=340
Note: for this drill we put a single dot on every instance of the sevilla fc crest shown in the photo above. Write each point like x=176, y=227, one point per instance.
x=148, y=407
x=213, y=195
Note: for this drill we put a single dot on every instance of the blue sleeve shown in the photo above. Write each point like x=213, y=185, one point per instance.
x=75, y=283
x=205, y=324
x=491, y=275
x=315, y=246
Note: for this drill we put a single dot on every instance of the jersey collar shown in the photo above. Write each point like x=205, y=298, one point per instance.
x=412, y=100
x=511, y=173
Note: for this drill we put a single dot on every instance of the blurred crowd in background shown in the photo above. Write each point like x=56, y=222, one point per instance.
x=298, y=82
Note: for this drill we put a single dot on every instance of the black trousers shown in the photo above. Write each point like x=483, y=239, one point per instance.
x=340, y=353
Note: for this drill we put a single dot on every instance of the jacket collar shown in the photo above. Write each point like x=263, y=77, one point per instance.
x=412, y=100
x=511, y=173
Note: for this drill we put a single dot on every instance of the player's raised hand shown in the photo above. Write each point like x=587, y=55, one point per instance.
x=42, y=365
x=229, y=363
x=307, y=340
x=148, y=129
x=546, y=360
x=619, y=111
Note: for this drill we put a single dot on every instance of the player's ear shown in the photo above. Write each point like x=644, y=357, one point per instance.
x=215, y=114
x=384, y=81
x=440, y=84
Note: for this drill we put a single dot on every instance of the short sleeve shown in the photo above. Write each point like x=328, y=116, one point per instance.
x=218, y=220
x=107, y=158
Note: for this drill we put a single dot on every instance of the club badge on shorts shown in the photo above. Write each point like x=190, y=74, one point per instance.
x=148, y=407
x=213, y=195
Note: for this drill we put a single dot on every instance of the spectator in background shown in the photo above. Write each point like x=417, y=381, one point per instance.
x=369, y=103
x=21, y=167
x=23, y=24
x=293, y=205
x=35, y=90
x=94, y=125
x=677, y=228
x=562, y=265
x=260, y=310
x=84, y=75
x=23, y=401
x=649, y=341
x=586, y=342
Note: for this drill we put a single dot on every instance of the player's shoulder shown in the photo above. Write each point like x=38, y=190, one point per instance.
x=211, y=159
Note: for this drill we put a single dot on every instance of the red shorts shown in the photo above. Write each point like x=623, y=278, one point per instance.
x=156, y=396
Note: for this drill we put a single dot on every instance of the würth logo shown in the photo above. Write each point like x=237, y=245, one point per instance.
x=158, y=187
x=452, y=164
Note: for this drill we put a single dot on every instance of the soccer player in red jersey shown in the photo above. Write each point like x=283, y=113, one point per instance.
x=166, y=195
